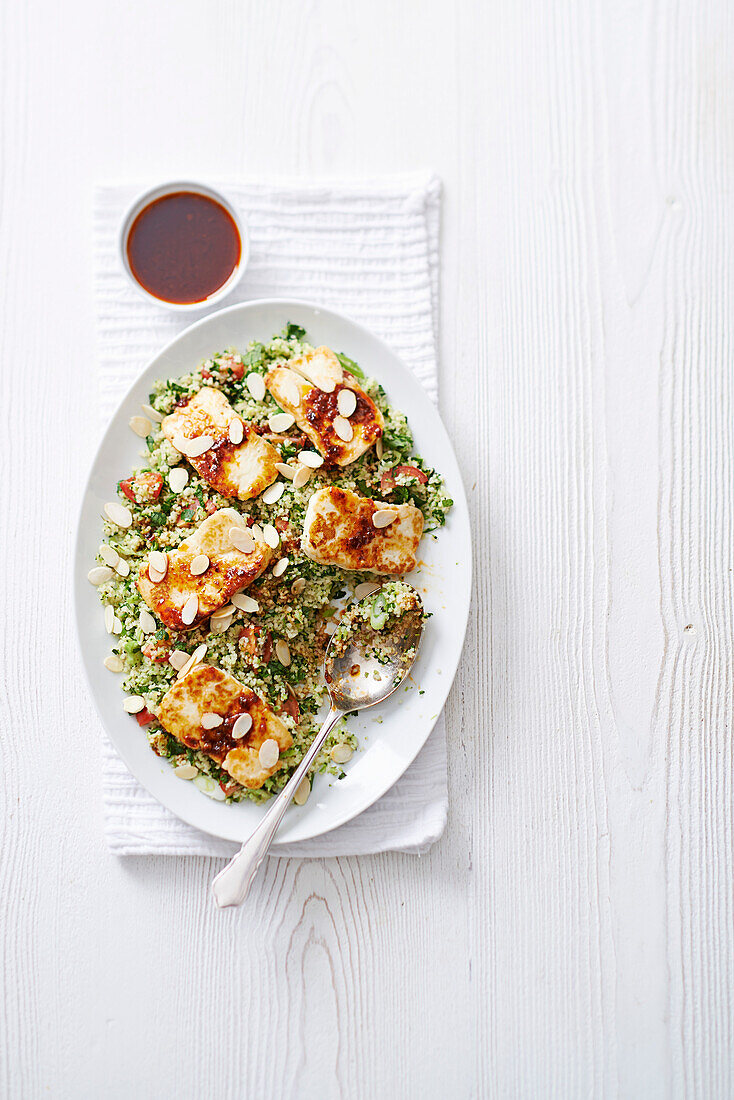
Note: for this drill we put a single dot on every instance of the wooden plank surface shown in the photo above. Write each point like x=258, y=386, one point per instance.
x=571, y=935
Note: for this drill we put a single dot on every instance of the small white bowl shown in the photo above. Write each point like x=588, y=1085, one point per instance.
x=198, y=189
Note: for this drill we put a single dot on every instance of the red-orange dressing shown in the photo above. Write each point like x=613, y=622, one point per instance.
x=183, y=247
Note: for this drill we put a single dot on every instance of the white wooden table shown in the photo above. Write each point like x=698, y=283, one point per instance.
x=571, y=935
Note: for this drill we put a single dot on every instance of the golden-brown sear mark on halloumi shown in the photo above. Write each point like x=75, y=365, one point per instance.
x=317, y=409
x=338, y=530
x=229, y=571
x=239, y=470
x=208, y=690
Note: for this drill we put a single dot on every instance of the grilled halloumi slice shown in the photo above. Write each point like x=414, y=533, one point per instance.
x=315, y=407
x=229, y=571
x=239, y=470
x=208, y=690
x=339, y=529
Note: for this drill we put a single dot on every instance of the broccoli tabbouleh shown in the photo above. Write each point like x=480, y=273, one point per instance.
x=277, y=650
x=373, y=620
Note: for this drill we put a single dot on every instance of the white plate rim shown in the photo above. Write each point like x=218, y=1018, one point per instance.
x=459, y=512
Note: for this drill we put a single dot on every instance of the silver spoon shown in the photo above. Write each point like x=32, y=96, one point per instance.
x=354, y=681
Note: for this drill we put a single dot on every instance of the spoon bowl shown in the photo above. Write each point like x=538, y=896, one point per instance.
x=355, y=679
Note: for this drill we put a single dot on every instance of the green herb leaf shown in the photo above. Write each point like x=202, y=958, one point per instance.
x=349, y=365
x=293, y=332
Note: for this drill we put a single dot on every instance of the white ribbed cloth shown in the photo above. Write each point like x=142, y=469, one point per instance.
x=367, y=249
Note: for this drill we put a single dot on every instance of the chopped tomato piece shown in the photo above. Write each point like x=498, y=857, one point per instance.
x=281, y=524
x=412, y=471
x=228, y=787
x=291, y=707
x=206, y=374
x=127, y=488
x=388, y=483
x=144, y=717
x=247, y=640
x=146, y=485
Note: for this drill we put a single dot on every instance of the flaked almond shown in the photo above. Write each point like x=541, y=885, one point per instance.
x=117, y=626
x=343, y=428
x=152, y=413
x=154, y=576
x=134, y=704
x=341, y=753
x=195, y=658
x=118, y=514
x=286, y=470
x=291, y=392
x=257, y=532
x=122, y=568
x=273, y=493
x=298, y=586
x=310, y=459
x=270, y=535
x=269, y=753
x=109, y=555
x=366, y=588
x=178, y=659
x=219, y=626
x=346, y=402
x=379, y=448
x=158, y=560
x=185, y=771
x=109, y=617
x=100, y=574
x=177, y=478
x=190, y=610
x=223, y=612
x=210, y=721
x=280, y=567
x=140, y=425
x=282, y=652
x=113, y=663
x=256, y=385
x=242, y=726
x=281, y=422
x=383, y=517
x=242, y=539
x=302, y=792
x=146, y=622
x=245, y=603
x=199, y=565
x=199, y=446
x=302, y=477
x=236, y=431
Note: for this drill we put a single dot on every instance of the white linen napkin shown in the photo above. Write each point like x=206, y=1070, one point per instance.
x=367, y=249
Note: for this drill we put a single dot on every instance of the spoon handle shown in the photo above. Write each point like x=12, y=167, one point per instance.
x=233, y=881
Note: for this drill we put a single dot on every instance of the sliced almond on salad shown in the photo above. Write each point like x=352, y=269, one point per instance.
x=256, y=385
x=242, y=540
x=118, y=514
x=190, y=610
x=383, y=517
x=140, y=425
x=199, y=565
x=242, y=726
x=269, y=753
x=100, y=575
x=273, y=493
